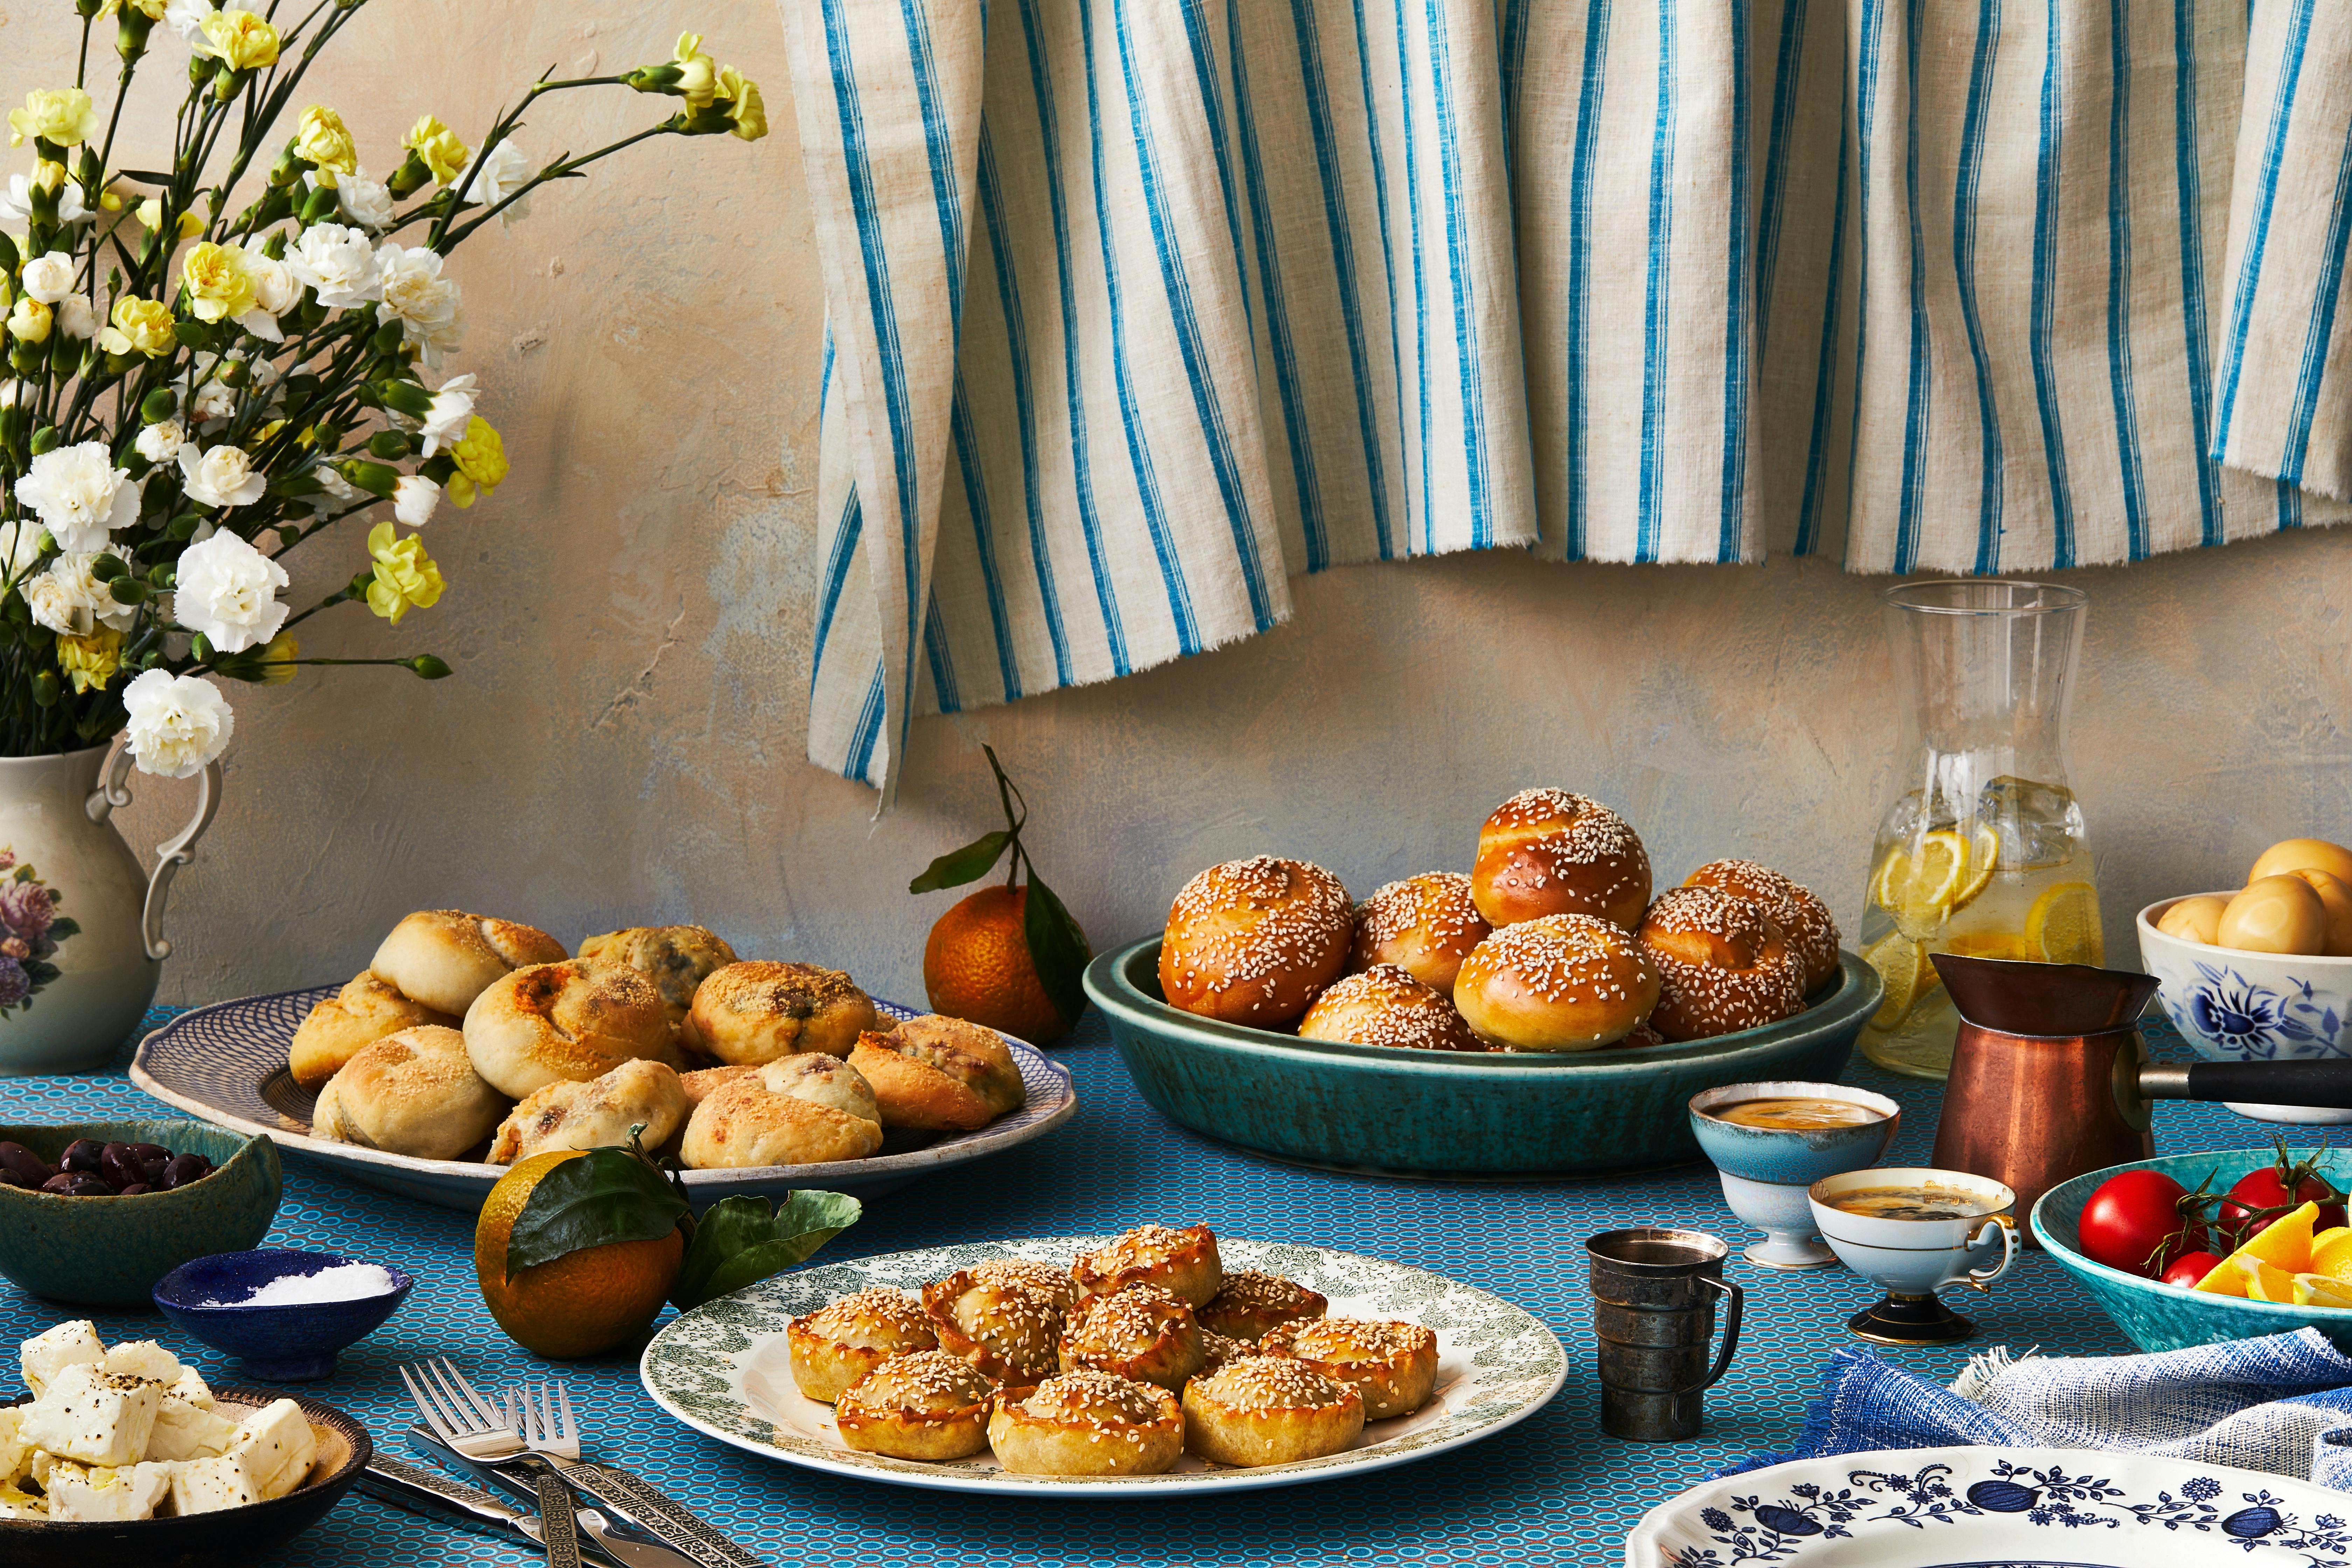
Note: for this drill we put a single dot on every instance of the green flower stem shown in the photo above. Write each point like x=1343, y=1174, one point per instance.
x=563, y=169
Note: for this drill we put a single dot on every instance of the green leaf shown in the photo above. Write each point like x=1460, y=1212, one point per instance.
x=62, y=929
x=968, y=864
x=738, y=1242
x=604, y=1196
x=1057, y=947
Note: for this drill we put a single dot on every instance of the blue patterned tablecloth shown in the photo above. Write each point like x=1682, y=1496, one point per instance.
x=1552, y=1490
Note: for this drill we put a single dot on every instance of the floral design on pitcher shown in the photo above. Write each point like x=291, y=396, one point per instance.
x=28, y=915
x=2254, y=1023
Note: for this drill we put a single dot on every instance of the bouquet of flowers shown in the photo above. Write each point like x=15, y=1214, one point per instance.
x=213, y=360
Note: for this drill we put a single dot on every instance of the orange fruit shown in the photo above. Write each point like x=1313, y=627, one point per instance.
x=581, y=1304
x=977, y=967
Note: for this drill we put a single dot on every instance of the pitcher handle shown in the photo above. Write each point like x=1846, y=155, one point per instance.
x=114, y=790
x=1982, y=1279
x=1734, y=1299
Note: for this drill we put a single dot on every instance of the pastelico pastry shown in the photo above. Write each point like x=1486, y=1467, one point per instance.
x=757, y=1011
x=569, y=1020
x=796, y=1110
x=677, y=959
x=364, y=1011
x=1088, y=1424
x=1269, y=1410
x=1723, y=965
x=1562, y=982
x=939, y=1074
x=1255, y=941
x=926, y=1405
x=1392, y=1365
x=840, y=1342
x=1009, y=1330
x=1140, y=1333
x=600, y=1113
x=1251, y=1303
x=1182, y=1262
x=414, y=1093
x=1426, y=925
x=1553, y=852
x=445, y=958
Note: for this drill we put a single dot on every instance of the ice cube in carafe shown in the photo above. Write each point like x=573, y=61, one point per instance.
x=2039, y=825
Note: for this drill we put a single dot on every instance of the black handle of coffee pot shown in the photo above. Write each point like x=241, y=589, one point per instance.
x=2325, y=1084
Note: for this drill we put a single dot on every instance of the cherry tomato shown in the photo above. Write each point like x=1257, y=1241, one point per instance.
x=2190, y=1268
x=2133, y=1223
x=2256, y=1191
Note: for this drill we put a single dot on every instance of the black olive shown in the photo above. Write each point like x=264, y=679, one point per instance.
x=182, y=1169
x=149, y=1158
x=28, y=1166
x=134, y=1189
x=118, y=1167
x=77, y=1185
x=10, y=1178
x=82, y=1154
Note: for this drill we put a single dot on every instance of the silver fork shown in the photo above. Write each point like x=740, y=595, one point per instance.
x=542, y=1414
x=473, y=1426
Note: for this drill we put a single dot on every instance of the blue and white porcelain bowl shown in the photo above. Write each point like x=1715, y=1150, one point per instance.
x=2236, y=1006
x=1766, y=1170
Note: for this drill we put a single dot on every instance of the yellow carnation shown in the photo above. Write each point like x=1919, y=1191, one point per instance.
x=740, y=94
x=64, y=115
x=240, y=40
x=140, y=326
x=438, y=146
x=90, y=662
x=481, y=463
x=699, y=83
x=326, y=142
x=219, y=282
x=278, y=657
x=29, y=321
x=151, y=212
x=404, y=574
x=48, y=176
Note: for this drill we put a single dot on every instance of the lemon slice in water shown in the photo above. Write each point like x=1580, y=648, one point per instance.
x=1903, y=964
x=2064, y=927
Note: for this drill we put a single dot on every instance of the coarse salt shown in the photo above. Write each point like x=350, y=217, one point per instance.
x=343, y=1282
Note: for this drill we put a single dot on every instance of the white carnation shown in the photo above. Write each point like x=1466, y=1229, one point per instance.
x=495, y=176
x=338, y=264
x=424, y=303
x=80, y=495
x=17, y=202
x=20, y=541
x=275, y=292
x=71, y=602
x=186, y=19
x=160, y=442
x=178, y=724
x=365, y=202
x=452, y=410
x=48, y=279
x=220, y=476
x=414, y=497
x=75, y=318
x=227, y=591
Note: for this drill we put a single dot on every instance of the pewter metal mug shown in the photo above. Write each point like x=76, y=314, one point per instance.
x=1653, y=1298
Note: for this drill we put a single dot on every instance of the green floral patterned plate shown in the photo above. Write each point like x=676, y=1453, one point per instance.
x=721, y=1368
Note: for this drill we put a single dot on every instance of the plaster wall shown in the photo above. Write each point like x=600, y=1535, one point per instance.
x=629, y=622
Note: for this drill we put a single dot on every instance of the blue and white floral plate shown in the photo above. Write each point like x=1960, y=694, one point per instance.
x=1998, y=1508
x=2237, y=1007
x=226, y=1064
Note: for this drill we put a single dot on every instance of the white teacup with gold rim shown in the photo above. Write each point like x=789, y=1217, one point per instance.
x=1915, y=1231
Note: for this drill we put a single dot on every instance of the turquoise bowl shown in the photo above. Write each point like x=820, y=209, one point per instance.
x=1442, y=1113
x=109, y=1252
x=2159, y=1317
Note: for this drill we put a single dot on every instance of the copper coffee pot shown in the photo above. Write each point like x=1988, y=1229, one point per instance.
x=2050, y=1078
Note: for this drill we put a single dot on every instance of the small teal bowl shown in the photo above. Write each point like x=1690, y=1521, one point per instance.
x=1784, y=1156
x=2159, y=1317
x=1446, y=1113
x=284, y=1342
x=109, y=1252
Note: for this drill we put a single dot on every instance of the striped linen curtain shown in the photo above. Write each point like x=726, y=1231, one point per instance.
x=1138, y=308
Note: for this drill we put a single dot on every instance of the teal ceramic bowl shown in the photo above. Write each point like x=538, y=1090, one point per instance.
x=2159, y=1317
x=109, y=1252
x=1442, y=1113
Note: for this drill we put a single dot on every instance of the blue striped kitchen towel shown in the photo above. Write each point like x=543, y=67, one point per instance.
x=2282, y=1404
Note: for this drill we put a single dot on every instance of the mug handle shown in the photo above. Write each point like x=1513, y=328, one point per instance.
x=1734, y=1299
x=1982, y=1279
x=113, y=790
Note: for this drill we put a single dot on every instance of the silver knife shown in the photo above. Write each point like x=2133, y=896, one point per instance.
x=632, y=1501
x=413, y=1487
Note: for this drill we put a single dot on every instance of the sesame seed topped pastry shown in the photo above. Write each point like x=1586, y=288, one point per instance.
x=445, y=958
x=939, y=1074
x=926, y=1405
x=1564, y=982
x=1266, y=1410
x=1550, y=852
x=1426, y=925
x=1255, y=941
x=593, y=1115
x=1088, y=1424
x=411, y=1093
x=1141, y=1333
x=838, y=1344
x=363, y=1012
x=1006, y=1329
x=1251, y=1303
x=1392, y=1365
x=1051, y=1279
x=1218, y=1350
x=677, y=959
x=757, y=1012
x=1722, y=966
x=572, y=1021
x=1804, y=921
x=1182, y=1262
x=1385, y=1006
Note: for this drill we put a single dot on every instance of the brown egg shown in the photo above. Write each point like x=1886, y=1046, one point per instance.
x=2275, y=914
x=2335, y=897
x=2303, y=855
x=2194, y=919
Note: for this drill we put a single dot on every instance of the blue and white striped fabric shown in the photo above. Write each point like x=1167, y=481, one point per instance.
x=1138, y=308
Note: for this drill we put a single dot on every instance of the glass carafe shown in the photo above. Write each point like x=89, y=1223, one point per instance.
x=1982, y=850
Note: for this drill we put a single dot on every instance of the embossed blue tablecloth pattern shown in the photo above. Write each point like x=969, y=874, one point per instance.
x=1551, y=1489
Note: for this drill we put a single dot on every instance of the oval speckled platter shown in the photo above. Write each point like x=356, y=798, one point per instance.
x=722, y=1368
x=226, y=1064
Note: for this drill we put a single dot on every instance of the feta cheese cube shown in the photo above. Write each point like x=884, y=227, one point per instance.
x=110, y=1493
x=141, y=1358
x=207, y=1486
x=45, y=1467
x=14, y=1504
x=278, y=1445
x=184, y=1432
x=190, y=1385
x=88, y=1415
x=14, y=1450
x=43, y=1356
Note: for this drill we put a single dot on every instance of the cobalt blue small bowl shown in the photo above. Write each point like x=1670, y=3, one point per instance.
x=288, y=1343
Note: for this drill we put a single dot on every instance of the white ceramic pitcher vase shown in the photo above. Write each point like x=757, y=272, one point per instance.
x=81, y=926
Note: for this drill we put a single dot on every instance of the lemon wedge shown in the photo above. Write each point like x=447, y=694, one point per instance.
x=1902, y=965
x=2064, y=925
x=1984, y=859
x=2321, y=1290
x=1918, y=888
x=2331, y=1254
x=2284, y=1244
x=2264, y=1283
